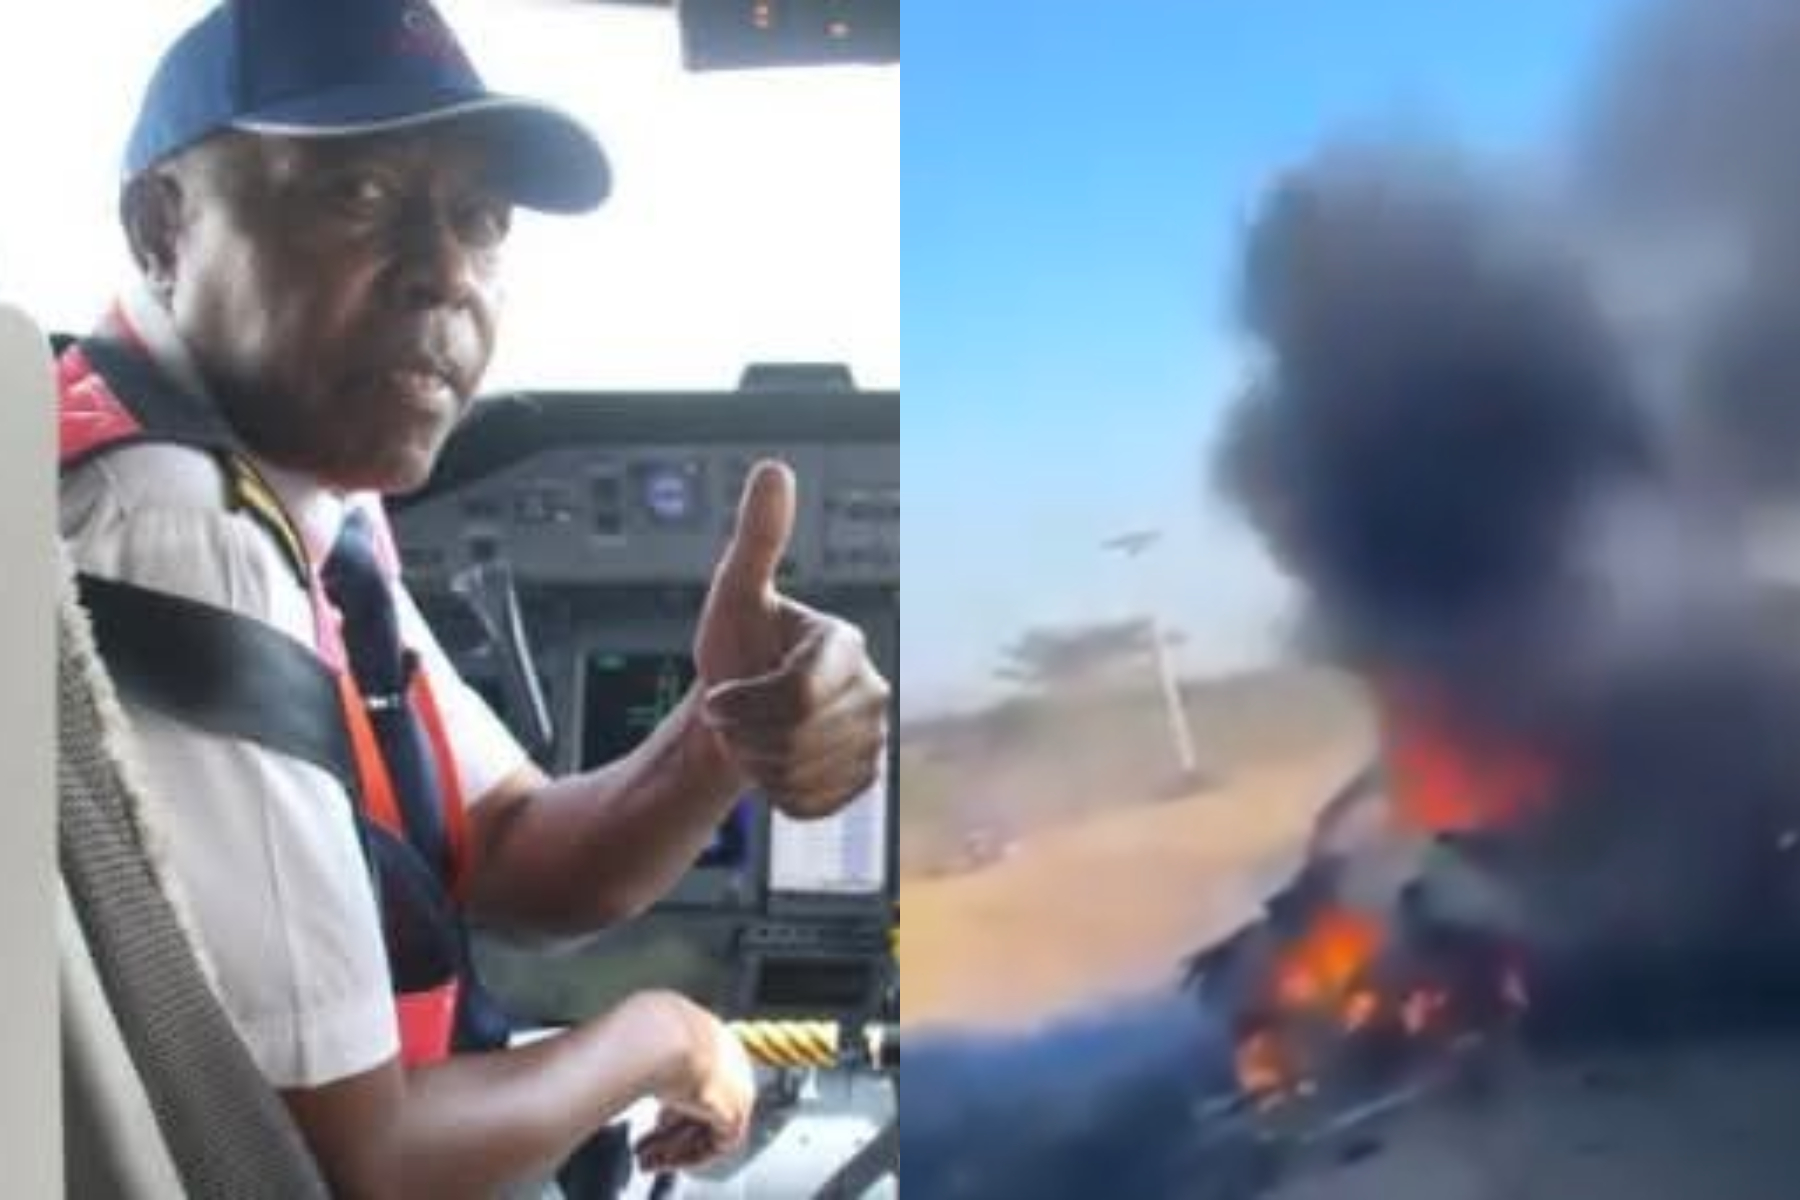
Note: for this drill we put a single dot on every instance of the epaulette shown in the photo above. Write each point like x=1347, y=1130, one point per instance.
x=248, y=492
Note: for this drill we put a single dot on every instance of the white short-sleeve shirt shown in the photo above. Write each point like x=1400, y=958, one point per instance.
x=262, y=844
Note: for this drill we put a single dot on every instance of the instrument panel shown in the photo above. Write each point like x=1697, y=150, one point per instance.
x=592, y=495
x=562, y=553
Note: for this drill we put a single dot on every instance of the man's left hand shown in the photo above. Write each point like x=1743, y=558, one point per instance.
x=790, y=692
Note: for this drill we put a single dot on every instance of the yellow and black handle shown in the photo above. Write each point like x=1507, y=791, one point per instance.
x=814, y=1044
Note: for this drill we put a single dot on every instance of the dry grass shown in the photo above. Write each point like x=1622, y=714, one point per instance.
x=1107, y=897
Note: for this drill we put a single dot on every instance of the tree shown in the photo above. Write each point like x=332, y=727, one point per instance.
x=1047, y=660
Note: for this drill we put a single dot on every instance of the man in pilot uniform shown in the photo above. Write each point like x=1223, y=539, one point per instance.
x=317, y=195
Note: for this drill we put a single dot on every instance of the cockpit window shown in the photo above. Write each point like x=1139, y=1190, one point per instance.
x=755, y=215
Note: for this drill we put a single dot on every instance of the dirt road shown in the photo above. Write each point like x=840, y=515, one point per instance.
x=1107, y=905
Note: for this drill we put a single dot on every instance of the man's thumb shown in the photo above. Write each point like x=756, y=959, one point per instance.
x=765, y=523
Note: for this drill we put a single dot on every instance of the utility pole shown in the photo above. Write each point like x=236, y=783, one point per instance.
x=1132, y=546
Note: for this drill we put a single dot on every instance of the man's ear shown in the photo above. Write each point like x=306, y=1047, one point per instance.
x=152, y=212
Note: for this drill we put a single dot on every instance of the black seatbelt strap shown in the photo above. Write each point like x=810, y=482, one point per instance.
x=221, y=672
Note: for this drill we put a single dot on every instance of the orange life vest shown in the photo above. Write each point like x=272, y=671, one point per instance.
x=112, y=396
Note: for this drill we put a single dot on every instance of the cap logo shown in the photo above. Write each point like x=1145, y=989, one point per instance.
x=425, y=34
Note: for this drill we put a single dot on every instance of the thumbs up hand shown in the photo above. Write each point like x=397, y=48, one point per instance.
x=790, y=692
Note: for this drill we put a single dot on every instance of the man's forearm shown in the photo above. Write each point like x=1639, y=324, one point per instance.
x=571, y=855
x=476, y=1123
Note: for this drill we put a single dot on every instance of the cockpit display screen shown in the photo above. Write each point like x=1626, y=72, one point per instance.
x=626, y=697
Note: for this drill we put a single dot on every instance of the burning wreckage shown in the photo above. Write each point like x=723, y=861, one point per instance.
x=1548, y=946
x=1409, y=1022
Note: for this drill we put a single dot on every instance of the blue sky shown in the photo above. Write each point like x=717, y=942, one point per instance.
x=1073, y=179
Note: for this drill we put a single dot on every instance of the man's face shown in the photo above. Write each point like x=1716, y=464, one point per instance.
x=339, y=295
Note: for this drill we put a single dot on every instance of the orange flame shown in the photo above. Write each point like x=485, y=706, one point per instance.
x=1360, y=1011
x=1327, y=960
x=1262, y=1067
x=1320, y=973
x=1443, y=779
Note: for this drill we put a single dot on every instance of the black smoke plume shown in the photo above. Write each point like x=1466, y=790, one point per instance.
x=1466, y=462
x=1687, y=159
x=1442, y=411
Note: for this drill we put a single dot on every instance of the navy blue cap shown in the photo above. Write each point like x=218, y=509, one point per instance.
x=327, y=68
